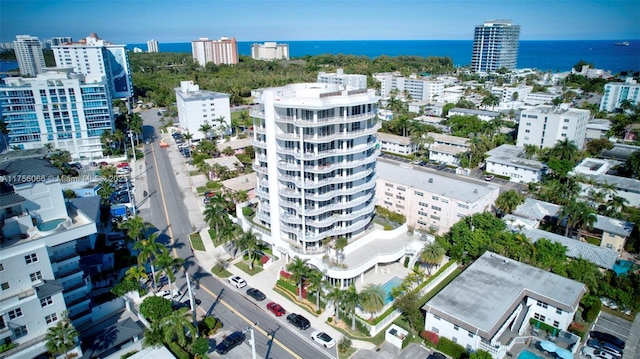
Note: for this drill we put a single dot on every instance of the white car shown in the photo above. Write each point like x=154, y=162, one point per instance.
x=593, y=353
x=123, y=171
x=323, y=338
x=237, y=281
x=169, y=294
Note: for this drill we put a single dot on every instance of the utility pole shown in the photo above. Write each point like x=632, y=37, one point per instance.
x=252, y=341
x=191, y=300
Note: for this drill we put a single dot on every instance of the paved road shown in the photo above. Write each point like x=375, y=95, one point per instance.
x=168, y=213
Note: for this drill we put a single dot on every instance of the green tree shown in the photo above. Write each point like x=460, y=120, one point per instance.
x=565, y=150
x=148, y=251
x=155, y=308
x=205, y=128
x=248, y=242
x=432, y=255
x=200, y=347
x=316, y=284
x=340, y=244
x=596, y=146
x=632, y=165
x=491, y=100
x=409, y=304
x=549, y=255
x=135, y=228
x=169, y=265
x=480, y=354
x=335, y=297
x=350, y=301
x=508, y=201
x=177, y=326
x=61, y=338
x=372, y=298
x=216, y=215
x=299, y=271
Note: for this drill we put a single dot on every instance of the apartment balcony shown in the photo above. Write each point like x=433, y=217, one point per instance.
x=310, y=251
x=289, y=192
x=334, y=206
x=335, y=120
x=323, y=169
x=341, y=136
x=309, y=156
x=69, y=289
x=330, y=220
x=261, y=157
x=261, y=216
x=259, y=144
x=260, y=169
x=259, y=129
x=257, y=113
x=310, y=184
x=260, y=192
x=77, y=302
x=340, y=192
x=291, y=218
x=67, y=272
x=336, y=231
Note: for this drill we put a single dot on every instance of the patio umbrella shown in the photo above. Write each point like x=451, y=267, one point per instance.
x=563, y=353
x=548, y=346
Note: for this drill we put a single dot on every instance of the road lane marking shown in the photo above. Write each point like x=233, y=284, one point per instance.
x=164, y=204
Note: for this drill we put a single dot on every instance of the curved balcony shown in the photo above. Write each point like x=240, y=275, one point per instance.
x=338, y=165
x=343, y=135
x=289, y=192
x=296, y=248
x=260, y=192
x=289, y=166
x=291, y=218
x=261, y=169
x=340, y=192
x=313, y=237
x=260, y=130
x=258, y=113
x=310, y=184
x=261, y=157
x=287, y=136
x=261, y=216
x=310, y=156
x=324, y=121
x=258, y=143
x=325, y=222
x=326, y=208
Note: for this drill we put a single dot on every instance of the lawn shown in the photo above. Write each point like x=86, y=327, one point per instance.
x=245, y=268
x=221, y=273
x=196, y=241
x=194, y=173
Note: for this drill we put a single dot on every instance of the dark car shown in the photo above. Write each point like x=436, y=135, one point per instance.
x=185, y=304
x=609, y=338
x=298, y=321
x=607, y=347
x=231, y=341
x=436, y=355
x=256, y=294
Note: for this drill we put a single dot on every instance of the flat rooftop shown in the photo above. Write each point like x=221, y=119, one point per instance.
x=486, y=293
x=511, y=155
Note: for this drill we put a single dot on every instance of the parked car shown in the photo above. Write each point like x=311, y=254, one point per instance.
x=323, y=338
x=122, y=164
x=169, y=294
x=185, y=304
x=231, y=341
x=593, y=353
x=298, y=321
x=614, y=350
x=436, y=355
x=237, y=281
x=276, y=309
x=256, y=294
x=123, y=171
x=489, y=177
x=606, y=337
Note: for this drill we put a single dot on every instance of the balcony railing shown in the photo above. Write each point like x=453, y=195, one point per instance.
x=325, y=120
x=63, y=257
x=68, y=272
x=310, y=184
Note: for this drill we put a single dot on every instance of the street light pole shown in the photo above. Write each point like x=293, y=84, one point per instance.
x=252, y=341
x=191, y=300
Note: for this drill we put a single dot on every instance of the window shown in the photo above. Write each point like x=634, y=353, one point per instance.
x=565, y=127
x=1, y=267
x=401, y=188
x=388, y=185
x=31, y=258
x=455, y=327
x=46, y=301
x=4, y=286
x=556, y=324
x=436, y=317
x=51, y=318
x=399, y=206
x=388, y=194
x=542, y=304
x=539, y=317
x=35, y=276
x=436, y=208
x=463, y=206
x=435, y=198
x=20, y=331
x=419, y=194
x=400, y=197
x=16, y=313
x=422, y=204
x=566, y=120
x=437, y=218
x=558, y=311
x=435, y=330
x=471, y=335
x=423, y=214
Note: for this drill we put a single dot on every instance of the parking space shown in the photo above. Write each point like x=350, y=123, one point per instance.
x=611, y=324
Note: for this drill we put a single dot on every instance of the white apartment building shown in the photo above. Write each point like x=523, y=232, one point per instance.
x=616, y=92
x=222, y=51
x=507, y=93
x=538, y=98
x=346, y=80
x=95, y=57
x=544, y=126
x=315, y=161
x=396, y=144
x=597, y=129
x=59, y=107
x=430, y=201
x=40, y=270
x=508, y=160
x=58, y=40
x=484, y=115
x=152, y=46
x=596, y=170
x=197, y=107
x=418, y=89
x=446, y=148
x=495, y=297
x=270, y=51
x=28, y=50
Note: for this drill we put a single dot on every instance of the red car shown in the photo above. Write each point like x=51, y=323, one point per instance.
x=276, y=309
x=103, y=163
x=123, y=164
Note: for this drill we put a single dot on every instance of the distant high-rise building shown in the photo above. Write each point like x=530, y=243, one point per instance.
x=28, y=51
x=223, y=51
x=495, y=45
x=152, y=46
x=270, y=51
x=58, y=40
x=97, y=57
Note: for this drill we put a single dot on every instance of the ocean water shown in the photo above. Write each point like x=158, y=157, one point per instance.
x=543, y=55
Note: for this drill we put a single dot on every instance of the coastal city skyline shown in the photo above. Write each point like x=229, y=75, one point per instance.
x=378, y=20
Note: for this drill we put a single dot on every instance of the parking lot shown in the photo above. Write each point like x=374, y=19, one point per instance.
x=621, y=328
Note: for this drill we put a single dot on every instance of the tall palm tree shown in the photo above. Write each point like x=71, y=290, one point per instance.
x=216, y=215
x=335, y=297
x=316, y=283
x=136, y=273
x=169, y=265
x=148, y=251
x=587, y=218
x=175, y=327
x=188, y=136
x=248, y=242
x=350, y=301
x=508, y=201
x=372, y=298
x=565, y=150
x=299, y=270
x=491, y=100
x=61, y=338
x=531, y=151
x=432, y=255
x=205, y=128
x=339, y=244
x=615, y=205
x=135, y=227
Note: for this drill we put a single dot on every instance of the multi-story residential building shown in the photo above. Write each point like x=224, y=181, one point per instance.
x=93, y=56
x=544, y=126
x=484, y=115
x=59, y=107
x=509, y=160
x=417, y=89
x=346, y=80
x=320, y=146
x=40, y=271
x=58, y=40
x=446, y=148
x=396, y=144
x=28, y=50
x=429, y=201
x=270, y=51
x=597, y=171
x=538, y=98
x=597, y=129
x=222, y=51
x=617, y=92
x=508, y=93
x=492, y=301
x=198, y=107
x=495, y=45
x=152, y=46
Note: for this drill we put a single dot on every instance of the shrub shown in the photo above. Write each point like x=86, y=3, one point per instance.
x=154, y=308
x=200, y=347
x=329, y=320
x=209, y=326
x=6, y=346
x=591, y=313
x=344, y=344
x=450, y=348
x=247, y=211
x=406, y=261
x=129, y=354
x=178, y=351
x=430, y=337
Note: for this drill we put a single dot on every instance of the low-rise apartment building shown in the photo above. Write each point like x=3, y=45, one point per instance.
x=483, y=115
x=597, y=129
x=396, y=144
x=353, y=81
x=270, y=51
x=446, y=148
x=597, y=172
x=617, y=92
x=428, y=200
x=508, y=160
x=198, y=107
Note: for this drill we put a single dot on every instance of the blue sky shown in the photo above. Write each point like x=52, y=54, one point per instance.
x=136, y=21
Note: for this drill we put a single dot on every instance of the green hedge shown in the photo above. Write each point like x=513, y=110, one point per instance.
x=431, y=278
x=450, y=348
x=544, y=326
x=178, y=351
x=288, y=286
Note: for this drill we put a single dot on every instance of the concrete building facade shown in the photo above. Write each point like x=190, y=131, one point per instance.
x=396, y=144
x=543, y=126
x=495, y=45
x=59, y=107
x=270, y=51
x=197, y=107
x=417, y=88
x=347, y=80
x=508, y=160
x=617, y=92
x=222, y=51
x=28, y=50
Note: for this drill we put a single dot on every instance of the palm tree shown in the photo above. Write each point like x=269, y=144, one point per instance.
x=372, y=298
x=335, y=297
x=299, y=270
x=432, y=255
x=169, y=265
x=216, y=215
x=508, y=201
x=350, y=300
x=61, y=338
x=587, y=218
x=136, y=273
x=615, y=205
x=205, y=128
x=491, y=100
x=148, y=251
x=188, y=136
x=340, y=244
x=175, y=327
x=316, y=283
x=531, y=151
x=248, y=242
x=135, y=227
x=565, y=150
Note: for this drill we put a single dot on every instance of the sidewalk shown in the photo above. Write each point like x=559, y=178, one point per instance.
x=265, y=280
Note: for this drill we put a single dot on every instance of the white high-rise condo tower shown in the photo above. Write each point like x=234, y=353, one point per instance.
x=152, y=46
x=316, y=154
x=495, y=45
x=28, y=51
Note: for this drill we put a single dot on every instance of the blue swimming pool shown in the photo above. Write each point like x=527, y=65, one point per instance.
x=525, y=354
x=50, y=225
x=622, y=267
x=388, y=286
